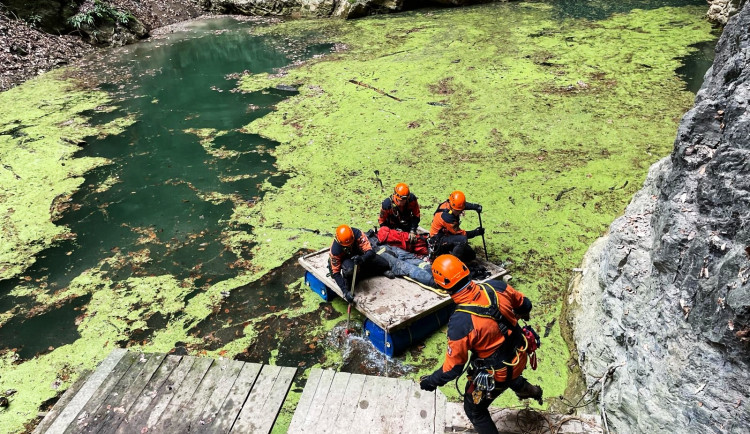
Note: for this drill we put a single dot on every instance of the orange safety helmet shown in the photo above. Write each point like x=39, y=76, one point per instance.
x=448, y=270
x=400, y=193
x=344, y=235
x=457, y=200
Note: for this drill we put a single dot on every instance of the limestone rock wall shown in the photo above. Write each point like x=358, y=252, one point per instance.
x=663, y=301
x=719, y=11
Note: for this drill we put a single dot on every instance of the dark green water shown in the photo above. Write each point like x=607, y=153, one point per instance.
x=158, y=208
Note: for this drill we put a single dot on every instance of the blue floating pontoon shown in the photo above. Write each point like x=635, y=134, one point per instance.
x=399, y=312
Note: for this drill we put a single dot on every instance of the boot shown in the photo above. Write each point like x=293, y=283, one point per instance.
x=389, y=274
x=530, y=391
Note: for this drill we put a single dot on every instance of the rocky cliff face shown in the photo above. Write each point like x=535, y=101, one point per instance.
x=719, y=11
x=663, y=302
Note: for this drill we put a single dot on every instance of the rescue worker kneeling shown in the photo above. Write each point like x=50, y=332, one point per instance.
x=486, y=323
x=446, y=235
x=351, y=247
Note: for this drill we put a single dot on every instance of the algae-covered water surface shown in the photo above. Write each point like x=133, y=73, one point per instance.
x=164, y=210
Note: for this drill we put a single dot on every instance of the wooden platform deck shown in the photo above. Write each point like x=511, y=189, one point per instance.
x=389, y=303
x=342, y=403
x=132, y=392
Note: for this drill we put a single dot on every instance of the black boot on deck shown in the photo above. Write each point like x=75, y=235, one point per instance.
x=530, y=391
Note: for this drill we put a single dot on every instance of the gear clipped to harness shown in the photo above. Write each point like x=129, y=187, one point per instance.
x=532, y=337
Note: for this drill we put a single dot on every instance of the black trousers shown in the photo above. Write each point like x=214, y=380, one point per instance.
x=456, y=245
x=374, y=266
x=479, y=414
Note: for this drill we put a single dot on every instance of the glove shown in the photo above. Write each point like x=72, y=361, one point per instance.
x=476, y=232
x=348, y=297
x=479, y=209
x=358, y=260
x=425, y=383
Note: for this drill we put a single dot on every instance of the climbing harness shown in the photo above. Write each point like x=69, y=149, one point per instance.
x=507, y=356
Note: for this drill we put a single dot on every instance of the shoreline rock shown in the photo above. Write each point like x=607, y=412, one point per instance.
x=664, y=298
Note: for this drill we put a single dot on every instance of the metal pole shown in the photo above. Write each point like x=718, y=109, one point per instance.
x=349, y=308
x=484, y=243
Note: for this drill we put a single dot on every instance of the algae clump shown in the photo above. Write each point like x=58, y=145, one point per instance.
x=41, y=126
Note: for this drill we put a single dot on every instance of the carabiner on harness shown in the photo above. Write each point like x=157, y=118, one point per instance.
x=485, y=380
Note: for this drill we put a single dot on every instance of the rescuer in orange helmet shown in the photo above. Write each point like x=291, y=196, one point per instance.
x=446, y=235
x=401, y=211
x=485, y=322
x=351, y=247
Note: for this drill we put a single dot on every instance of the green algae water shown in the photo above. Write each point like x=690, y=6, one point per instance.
x=185, y=237
x=170, y=193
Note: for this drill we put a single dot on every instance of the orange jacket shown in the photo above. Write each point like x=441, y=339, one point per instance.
x=448, y=220
x=480, y=335
x=338, y=253
x=444, y=219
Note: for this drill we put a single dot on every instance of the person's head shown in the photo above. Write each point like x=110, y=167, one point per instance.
x=524, y=310
x=457, y=201
x=344, y=235
x=400, y=193
x=450, y=273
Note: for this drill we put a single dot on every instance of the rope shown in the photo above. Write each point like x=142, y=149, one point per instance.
x=435, y=290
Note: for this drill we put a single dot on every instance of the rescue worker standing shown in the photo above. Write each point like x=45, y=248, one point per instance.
x=351, y=247
x=401, y=211
x=446, y=235
x=497, y=346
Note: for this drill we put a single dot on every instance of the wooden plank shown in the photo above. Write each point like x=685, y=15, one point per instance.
x=318, y=407
x=95, y=408
x=230, y=408
x=420, y=410
x=367, y=405
x=393, y=421
x=138, y=411
x=278, y=395
x=251, y=411
x=335, y=401
x=440, y=417
x=103, y=374
x=125, y=393
x=230, y=373
x=265, y=399
x=383, y=406
x=350, y=404
x=191, y=412
x=303, y=406
x=150, y=415
x=173, y=411
x=61, y=403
